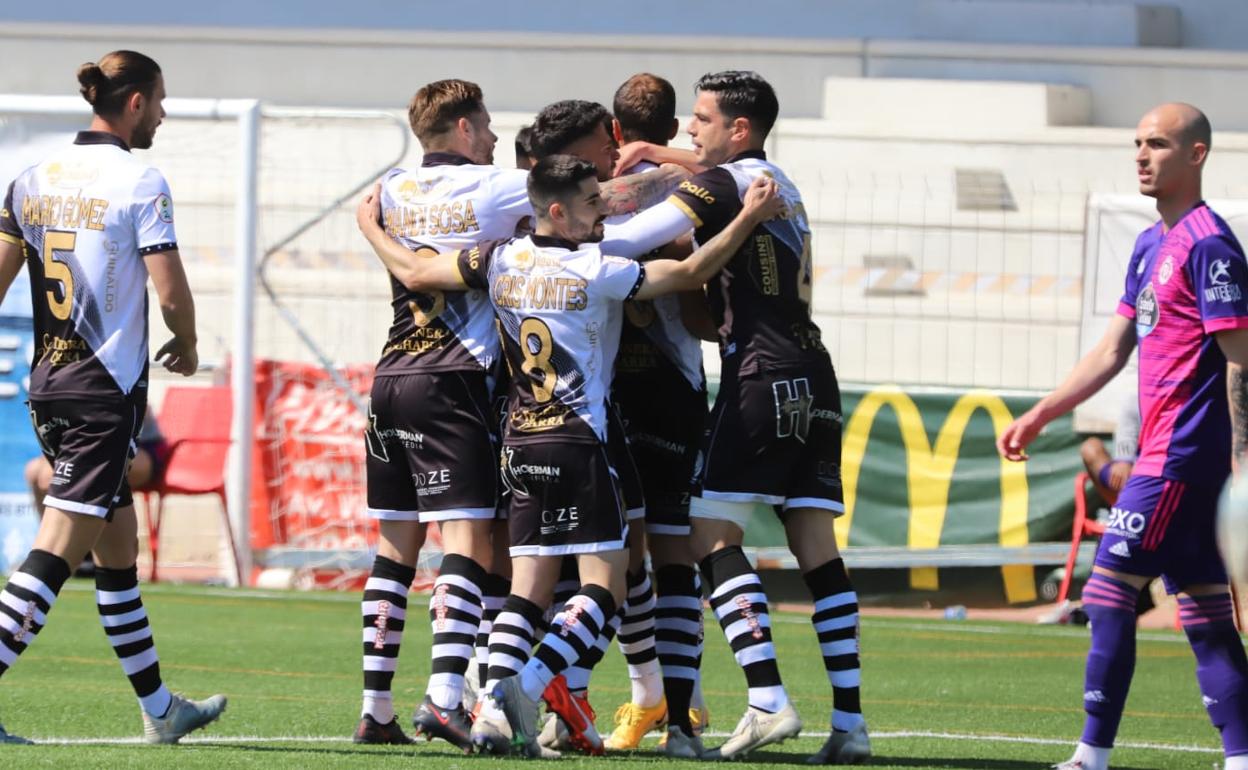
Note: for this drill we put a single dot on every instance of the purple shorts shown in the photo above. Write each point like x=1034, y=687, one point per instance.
x=1164, y=527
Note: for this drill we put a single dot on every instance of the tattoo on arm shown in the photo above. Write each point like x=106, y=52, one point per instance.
x=1237, y=390
x=635, y=192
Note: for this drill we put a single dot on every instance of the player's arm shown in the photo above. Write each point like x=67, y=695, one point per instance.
x=635, y=152
x=421, y=270
x=665, y=276
x=11, y=254
x=177, y=307
x=1234, y=345
x=1089, y=375
x=636, y=192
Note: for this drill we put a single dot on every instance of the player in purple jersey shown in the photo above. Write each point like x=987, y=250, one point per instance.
x=93, y=222
x=1186, y=306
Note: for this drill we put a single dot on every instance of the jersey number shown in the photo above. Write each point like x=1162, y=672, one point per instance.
x=537, y=346
x=436, y=302
x=55, y=270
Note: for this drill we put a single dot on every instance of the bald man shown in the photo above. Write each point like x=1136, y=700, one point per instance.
x=1186, y=306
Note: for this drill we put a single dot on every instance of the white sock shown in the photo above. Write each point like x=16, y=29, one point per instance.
x=845, y=721
x=379, y=707
x=1237, y=762
x=1092, y=757
x=647, y=681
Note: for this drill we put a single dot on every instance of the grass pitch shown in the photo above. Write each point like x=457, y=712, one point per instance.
x=936, y=694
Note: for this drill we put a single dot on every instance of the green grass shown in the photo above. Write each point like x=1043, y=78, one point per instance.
x=290, y=666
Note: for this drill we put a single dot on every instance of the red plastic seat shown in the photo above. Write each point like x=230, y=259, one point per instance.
x=195, y=423
x=1083, y=527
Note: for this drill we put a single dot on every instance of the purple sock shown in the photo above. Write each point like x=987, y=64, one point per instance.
x=1110, y=605
x=1221, y=667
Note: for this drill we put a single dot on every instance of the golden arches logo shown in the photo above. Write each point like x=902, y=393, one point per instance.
x=929, y=474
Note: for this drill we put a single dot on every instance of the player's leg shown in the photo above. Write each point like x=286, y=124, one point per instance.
x=494, y=592
x=1126, y=559
x=679, y=631
x=38, y=473
x=577, y=511
x=744, y=466
x=1194, y=570
x=383, y=607
x=166, y=716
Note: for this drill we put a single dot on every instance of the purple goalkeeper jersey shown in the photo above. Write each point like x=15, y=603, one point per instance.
x=1183, y=286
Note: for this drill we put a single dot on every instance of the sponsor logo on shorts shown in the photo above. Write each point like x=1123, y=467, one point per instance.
x=1121, y=549
x=828, y=474
x=409, y=439
x=537, y=472
x=433, y=482
x=658, y=442
x=1128, y=524
x=827, y=414
x=793, y=400
x=62, y=472
x=558, y=520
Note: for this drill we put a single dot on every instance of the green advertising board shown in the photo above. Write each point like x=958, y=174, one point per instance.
x=920, y=469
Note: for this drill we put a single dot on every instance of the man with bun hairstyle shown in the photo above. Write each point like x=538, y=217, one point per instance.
x=92, y=223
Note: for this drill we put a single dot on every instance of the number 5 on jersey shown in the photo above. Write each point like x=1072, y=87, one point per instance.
x=56, y=270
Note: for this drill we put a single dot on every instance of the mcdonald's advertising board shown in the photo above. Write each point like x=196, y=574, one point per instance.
x=919, y=468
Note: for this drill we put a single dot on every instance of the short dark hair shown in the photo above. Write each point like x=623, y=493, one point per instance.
x=645, y=106
x=437, y=107
x=107, y=85
x=555, y=177
x=562, y=123
x=524, y=141
x=743, y=94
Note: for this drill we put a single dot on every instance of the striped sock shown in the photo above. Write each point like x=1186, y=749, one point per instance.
x=572, y=634
x=741, y=606
x=384, y=611
x=577, y=675
x=678, y=632
x=26, y=601
x=1110, y=605
x=1221, y=666
x=637, y=641
x=493, y=593
x=569, y=583
x=125, y=622
x=511, y=641
x=836, y=624
x=455, y=617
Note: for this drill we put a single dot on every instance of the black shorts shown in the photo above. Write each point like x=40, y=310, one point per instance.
x=432, y=452
x=774, y=437
x=621, y=456
x=564, y=499
x=664, y=429
x=90, y=445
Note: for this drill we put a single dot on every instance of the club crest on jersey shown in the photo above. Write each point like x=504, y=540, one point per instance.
x=164, y=208
x=1166, y=270
x=1147, y=311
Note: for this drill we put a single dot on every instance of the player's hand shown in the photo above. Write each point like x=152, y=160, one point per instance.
x=180, y=357
x=1012, y=443
x=630, y=155
x=762, y=200
x=368, y=212
x=1119, y=472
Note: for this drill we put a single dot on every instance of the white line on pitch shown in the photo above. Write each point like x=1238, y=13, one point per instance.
x=245, y=739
